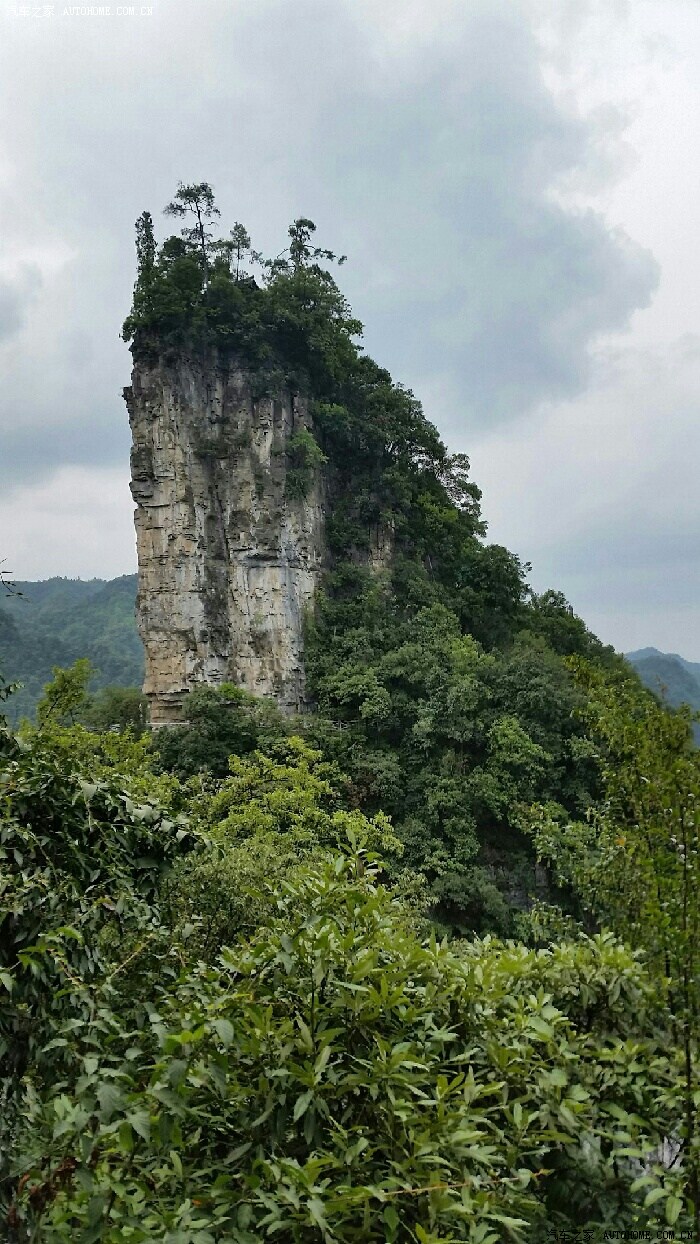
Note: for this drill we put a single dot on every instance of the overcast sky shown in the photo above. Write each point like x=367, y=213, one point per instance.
x=519, y=198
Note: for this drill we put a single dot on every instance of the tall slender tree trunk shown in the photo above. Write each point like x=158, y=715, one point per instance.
x=200, y=226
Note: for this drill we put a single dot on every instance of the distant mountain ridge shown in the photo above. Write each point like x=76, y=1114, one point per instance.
x=669, y=676
x=56, y=621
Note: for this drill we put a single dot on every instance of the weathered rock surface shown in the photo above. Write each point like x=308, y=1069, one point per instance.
x=228, y=558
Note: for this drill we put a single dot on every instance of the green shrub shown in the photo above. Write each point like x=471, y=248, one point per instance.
x=337, y=1080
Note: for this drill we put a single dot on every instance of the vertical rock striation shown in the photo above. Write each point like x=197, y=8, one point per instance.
x=228, y=552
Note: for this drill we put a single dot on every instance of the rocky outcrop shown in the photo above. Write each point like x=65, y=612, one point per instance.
x=229, y=552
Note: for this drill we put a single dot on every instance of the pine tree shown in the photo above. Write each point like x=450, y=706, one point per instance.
x=197, y=199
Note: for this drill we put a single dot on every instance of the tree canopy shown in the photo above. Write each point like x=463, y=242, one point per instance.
x=221, y=1023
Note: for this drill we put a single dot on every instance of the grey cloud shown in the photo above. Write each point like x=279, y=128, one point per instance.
x=600, y=495
x=436, y=173
x=431, y=162
x=16, y=295
x=10, y=311
x=61, y=394
x=633, y=586
x=621, y=566
x=95, y=441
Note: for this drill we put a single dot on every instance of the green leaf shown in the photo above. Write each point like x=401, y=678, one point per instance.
x=318, y=1212
x=109, y=1097
x=391, y=1218
x=141, y=1122
x=95, y=1209
x=238, y=1152
x=224, y=1029
x=305, y=1033
x=674, y=1205
x=541, y=1028
x=302, y=1104
x=244, y=1215
x=641, y=1182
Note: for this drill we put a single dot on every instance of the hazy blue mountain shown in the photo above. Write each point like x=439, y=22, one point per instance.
x=670, y=676
x=55, y=621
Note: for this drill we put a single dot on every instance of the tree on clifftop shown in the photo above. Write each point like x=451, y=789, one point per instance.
x=146, y=255
x=236, y=250
x=300, y=254
x=199, y=200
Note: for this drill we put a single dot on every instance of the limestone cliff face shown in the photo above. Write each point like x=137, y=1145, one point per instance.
x=228, y=553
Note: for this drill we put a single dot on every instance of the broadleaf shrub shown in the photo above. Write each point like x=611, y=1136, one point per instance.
x=337, y=1079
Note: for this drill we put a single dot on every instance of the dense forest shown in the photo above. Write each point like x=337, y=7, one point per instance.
x=419, y=965
x=59, y=621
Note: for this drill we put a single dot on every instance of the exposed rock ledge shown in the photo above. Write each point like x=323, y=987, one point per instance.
x=228, y=560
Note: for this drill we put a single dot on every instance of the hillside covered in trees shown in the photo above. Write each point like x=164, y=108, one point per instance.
x=59, y=621
x=417, y=965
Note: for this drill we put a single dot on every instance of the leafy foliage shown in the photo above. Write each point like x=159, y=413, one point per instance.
x=198, y=201
x=273, y=813
x=337, y=1080
x=222, y=721
x=223, y=1023
x=635, y=863
x=81, y=852
x=453, y=741
x=305, y=457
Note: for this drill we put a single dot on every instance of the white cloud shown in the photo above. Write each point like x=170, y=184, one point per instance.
x=78, y=523
x=600, y=494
